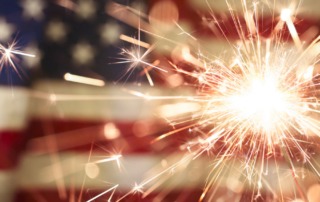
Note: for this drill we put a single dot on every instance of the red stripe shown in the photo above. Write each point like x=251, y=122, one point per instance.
x=52, y=195
x=11, y=145
x=55, y=135
x=223, y=194
x=78, y=135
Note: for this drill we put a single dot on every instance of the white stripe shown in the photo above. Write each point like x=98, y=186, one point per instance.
x=306, y=8
x=40, y=171
x=7, y=184
x=13, y=105
x=75, y=101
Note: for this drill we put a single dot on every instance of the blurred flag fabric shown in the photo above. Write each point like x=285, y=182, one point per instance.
x=67, y=137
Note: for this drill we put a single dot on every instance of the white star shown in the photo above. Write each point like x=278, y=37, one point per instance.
x=32, y=62
x=86, y=9
x=33, y=9
x=56, y=31
x=82, y=53
x=110, y=33
x=6, y=30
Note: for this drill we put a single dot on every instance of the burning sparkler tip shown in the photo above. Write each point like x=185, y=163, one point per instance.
x=286, y=14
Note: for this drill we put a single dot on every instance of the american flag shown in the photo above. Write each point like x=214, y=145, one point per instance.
x=80, y=38
x=63, y=132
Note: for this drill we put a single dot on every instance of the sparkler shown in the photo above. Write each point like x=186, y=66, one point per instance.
x=261, y=107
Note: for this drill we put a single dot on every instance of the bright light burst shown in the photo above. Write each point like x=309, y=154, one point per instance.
x=259, y=109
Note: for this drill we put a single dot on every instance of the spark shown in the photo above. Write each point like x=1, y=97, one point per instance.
x=286, y=15
x=137, y=188
x=136, y=57
x=115, y=157
x=184, y=32
x=101, y=194
x=8, y=55
x=83, y=80
x=134, y=41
